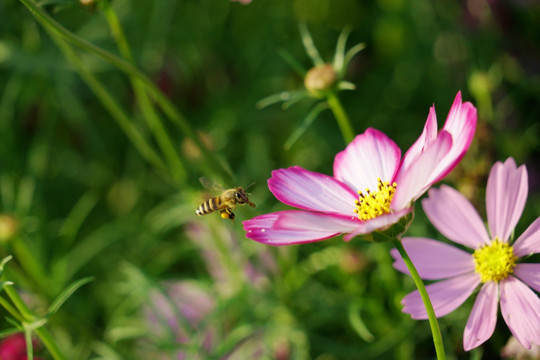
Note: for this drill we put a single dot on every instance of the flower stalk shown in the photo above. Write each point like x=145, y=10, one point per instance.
x=341, y=116
x=432, y=318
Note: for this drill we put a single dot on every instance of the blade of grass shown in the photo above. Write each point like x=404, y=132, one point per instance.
x=301, y=129
x=64, y=295
x=213, y=164
x=152, y=118
x=116, y=112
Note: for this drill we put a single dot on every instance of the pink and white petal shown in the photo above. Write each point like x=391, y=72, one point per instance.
x=506, y=194
x=433, y=259
x=312, y=191
x=379, y=223
x=427, y=137
x=445, y=296
x=483, y=318
x=296, y=227
x=413, y=181
x=520, y=308
x=455, y=217
x=529, y=274
x=461, y=124
x=529, y=242
x=370, y=156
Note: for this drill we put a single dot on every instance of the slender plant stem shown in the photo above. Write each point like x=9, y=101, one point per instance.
x=435, y=330
x=341, y=117
x=31, y=266
x=116, y=112
x=28, y=316
x=149, y=113
x=212, y=162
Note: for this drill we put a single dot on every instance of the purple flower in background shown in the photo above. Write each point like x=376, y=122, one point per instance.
x=372, y=187
x=494, y=265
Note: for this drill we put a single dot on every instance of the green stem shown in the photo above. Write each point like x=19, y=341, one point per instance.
x=116, y=112
x=341, y=116
x=152, y=118
x=434, y=325
x=213, y=164
x=28, y=316
x=31, y=266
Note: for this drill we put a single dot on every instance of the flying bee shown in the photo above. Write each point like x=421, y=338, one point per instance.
x=224, y=203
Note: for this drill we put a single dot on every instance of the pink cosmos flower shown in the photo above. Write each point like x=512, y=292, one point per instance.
x=494, y=264
x=372, y=186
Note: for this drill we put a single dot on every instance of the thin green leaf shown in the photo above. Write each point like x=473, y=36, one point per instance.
x=339, y=56
x=64, y=295
x=289, y=59
x=3, y=262
x=282, y=97
x=10, y=309
x=76, y=217
x=296, y=97
x=350, y=54
x=346, y=85
x=8, y=332
x=16, y=324
x=273, y=99
x=357, y=323
x=311, y=50
x=308, y=120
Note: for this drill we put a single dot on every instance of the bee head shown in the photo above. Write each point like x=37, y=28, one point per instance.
x=240, y=196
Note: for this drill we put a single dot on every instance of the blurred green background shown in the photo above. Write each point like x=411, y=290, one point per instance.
x=78, y=199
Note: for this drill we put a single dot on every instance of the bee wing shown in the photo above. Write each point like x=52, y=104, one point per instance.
x=210, y=184
x=250, y=186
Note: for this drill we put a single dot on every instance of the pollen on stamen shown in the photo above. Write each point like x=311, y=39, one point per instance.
x=372, y=204
x=495, y=261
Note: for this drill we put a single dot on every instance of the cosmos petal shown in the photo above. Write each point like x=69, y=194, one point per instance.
x=433, y=259
x=529, y=242
x=520, y=308
x=313, y=191
x=413, y=181
x=461, y=124
x=483, y=317
x=379, y=223
x=455, y=217
x=445, y=296
x=370, y=156
x=427, y=137
x=529, y=273
x=296, y=227
x=506, y=194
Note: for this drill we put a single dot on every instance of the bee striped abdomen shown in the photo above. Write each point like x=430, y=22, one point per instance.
x=209, y=206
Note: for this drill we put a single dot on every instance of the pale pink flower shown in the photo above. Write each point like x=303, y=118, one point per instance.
x=245, y=2
x=332, y=206
x=494, y=265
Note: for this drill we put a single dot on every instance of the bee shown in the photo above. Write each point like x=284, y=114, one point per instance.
x=224, y=203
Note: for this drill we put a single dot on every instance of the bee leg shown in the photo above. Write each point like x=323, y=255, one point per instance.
x=251, y=204
x=227, y=214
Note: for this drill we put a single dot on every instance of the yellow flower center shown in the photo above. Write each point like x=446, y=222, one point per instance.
x=373, y=204
x=494, y=262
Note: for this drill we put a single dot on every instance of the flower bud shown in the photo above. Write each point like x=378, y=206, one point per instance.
x=320, y=78
x=8, y=227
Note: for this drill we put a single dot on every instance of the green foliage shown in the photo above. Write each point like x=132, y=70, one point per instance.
x=110, y=113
